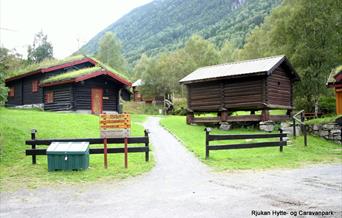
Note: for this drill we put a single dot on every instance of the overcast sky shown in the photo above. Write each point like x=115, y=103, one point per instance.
x=68, y=23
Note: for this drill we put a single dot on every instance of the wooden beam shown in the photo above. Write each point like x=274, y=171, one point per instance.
x=244, y=118
x=244, y=136
x=94, y=150
x=248, y=145
x=131, y=140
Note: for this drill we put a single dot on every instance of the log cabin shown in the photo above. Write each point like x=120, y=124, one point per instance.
x=261, y=84
x=335, y=81
x=80, y=84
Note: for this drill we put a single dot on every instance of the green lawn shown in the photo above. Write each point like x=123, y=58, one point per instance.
x=323, y=120
x=294, y=155
x=16, y=168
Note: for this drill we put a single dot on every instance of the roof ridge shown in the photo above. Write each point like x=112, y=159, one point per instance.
x=242, y=61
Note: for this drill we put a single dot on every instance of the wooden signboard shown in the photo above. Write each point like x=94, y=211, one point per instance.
x=115, y=125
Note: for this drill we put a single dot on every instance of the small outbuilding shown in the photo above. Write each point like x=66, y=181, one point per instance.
x=335, y=81
x=260, y=84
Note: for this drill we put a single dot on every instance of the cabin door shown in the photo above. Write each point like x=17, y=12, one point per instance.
x=96, y=100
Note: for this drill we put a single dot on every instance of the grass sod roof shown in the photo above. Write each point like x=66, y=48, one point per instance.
x=109, y=68
x=71, y=75
x=334, y=72
x=46, y=64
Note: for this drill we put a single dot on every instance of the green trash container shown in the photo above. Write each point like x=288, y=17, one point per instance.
x=68, y=156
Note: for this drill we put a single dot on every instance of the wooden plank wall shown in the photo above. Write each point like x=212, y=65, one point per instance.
x=231, y=94
x=205, y=96
x=62, y=98
x=82, y=94
x=279, y=88
x=23, y=87
x=243, y=93
x=17, y=98
x=30, y=97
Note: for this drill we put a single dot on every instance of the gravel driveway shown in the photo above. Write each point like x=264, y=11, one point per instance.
x=181, y=186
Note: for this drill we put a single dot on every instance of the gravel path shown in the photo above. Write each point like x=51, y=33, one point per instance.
x=181, y=186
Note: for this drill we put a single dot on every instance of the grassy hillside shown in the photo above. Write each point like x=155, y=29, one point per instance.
x=294, y=155
x=164, y=25
x=16, y=168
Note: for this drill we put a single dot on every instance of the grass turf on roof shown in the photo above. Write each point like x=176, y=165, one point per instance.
x=107, y=67
x=46, y=64
x=71, y=75
x=334, y=72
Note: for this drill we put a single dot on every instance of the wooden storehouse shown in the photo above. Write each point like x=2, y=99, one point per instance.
x=82, y=85
x=335, y=81
x=261, y=84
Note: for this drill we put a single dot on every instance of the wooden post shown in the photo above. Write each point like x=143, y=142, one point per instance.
x=105, y=160
x=265, y=115
x=147, y=158
x=223, y=115
x=294, y=127
x=33, y=137
x=126, y=152
x=189, y=118
x=305, y=135
x=207, y=131
x=281, y=139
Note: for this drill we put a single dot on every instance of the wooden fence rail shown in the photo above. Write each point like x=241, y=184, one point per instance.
x=129, y=140
x=209, y=138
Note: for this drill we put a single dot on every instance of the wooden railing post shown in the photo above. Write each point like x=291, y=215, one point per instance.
x=105, y=160
x=147, y=157
x=126, y=152
x=305, y=135
x=281, y=139
x=294, y=127
x=33, y=137
x=207, y=132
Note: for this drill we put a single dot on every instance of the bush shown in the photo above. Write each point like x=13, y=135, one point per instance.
x=179, y=106
x=327, y=105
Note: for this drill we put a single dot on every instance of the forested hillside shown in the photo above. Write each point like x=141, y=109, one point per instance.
x=165, y=25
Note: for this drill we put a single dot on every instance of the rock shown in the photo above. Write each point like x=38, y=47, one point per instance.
x=225, y=126
x=329, y=126
x=316, y=127
x=324, y=133
x=285, y=125
x=289, y=131
x=267, y=126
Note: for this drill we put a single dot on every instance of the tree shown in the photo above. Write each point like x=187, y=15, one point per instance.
x=309, y=34
x=9, y=62
x=203, y=52
x=41, y=49
x=110, y=52
x=227, y=52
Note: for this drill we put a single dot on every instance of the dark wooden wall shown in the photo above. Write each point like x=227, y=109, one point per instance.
x=30, y=97
x=23, y=87
x=82, y=93
x=62, y=98
x=18, y=94
x=279, y=88
x=243, y=93
x=235, y=94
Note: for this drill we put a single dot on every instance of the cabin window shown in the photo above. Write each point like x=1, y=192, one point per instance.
x=49, y=97
x=35, y=86
x=11, y=92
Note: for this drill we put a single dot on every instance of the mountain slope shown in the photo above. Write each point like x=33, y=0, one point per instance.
x=164, y=25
